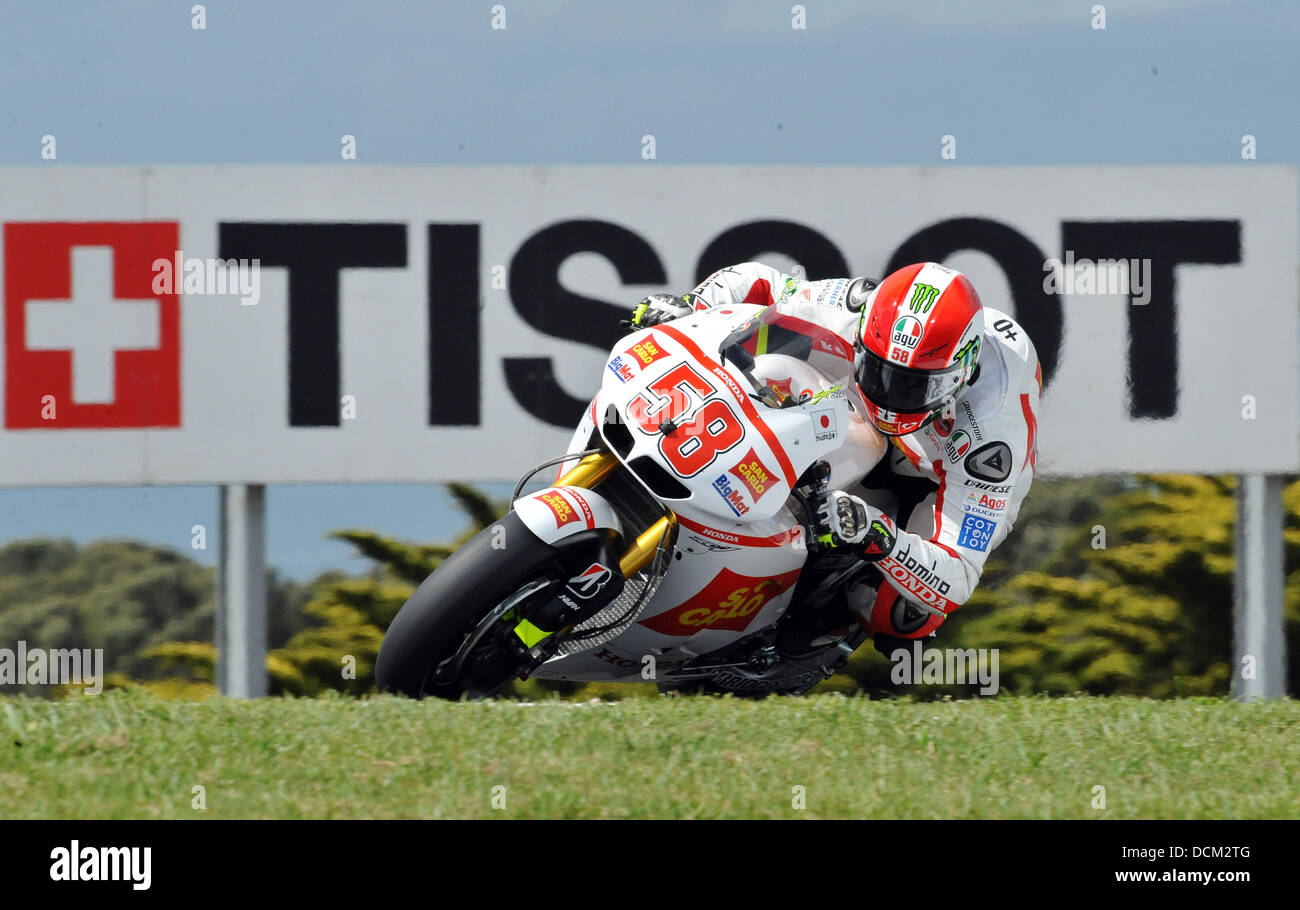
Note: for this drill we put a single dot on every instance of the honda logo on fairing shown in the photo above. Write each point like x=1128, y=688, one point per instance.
x=590, y=581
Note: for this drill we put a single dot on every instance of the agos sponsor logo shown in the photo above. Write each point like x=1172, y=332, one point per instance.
x=972, y=506
x=731, y=497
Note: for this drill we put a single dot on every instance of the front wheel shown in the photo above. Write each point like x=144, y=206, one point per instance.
x=450, y=607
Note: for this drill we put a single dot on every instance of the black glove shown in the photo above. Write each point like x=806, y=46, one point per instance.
x=849, y=521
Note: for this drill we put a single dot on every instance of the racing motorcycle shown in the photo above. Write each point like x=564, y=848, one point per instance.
x=680, y=541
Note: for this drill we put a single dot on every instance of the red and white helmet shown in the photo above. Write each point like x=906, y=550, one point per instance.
x=918, y=345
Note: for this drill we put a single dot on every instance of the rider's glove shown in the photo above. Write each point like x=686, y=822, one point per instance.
x=847, y=521
x=659, y=308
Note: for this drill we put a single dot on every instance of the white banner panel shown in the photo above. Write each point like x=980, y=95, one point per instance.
x=423, y=324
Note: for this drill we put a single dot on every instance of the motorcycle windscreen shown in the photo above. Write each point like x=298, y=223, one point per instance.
x=779, y=331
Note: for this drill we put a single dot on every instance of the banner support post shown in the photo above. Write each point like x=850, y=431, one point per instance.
x=1259, y=651
x=241, y=629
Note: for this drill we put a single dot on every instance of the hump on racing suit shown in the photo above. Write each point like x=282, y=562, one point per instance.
x=967, y=472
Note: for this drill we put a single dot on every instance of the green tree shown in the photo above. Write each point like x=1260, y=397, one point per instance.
x=122, y=596
x=1147, y=613
x=348, y=616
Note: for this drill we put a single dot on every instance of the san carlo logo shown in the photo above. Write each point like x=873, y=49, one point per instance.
x=88, y=342
x=754, y=474
x=730, y=601
x=559, y=507
x=646, y=352
x=907, y=332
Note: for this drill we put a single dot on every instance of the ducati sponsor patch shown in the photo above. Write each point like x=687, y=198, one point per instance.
x=991, y=462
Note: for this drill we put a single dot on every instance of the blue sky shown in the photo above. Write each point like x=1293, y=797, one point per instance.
x=578, y=82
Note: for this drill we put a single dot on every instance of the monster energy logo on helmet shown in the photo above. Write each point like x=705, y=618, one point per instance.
x=923, y=297
x=966, y=353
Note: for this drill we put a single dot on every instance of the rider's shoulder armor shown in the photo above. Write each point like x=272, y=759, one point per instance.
x=994, y=433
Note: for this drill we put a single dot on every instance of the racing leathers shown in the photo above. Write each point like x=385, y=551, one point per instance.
x=968, y=470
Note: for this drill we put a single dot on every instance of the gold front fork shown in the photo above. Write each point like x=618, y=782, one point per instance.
x=590, y=471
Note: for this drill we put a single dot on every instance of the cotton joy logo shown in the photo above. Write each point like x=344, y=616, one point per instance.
x=88, y=343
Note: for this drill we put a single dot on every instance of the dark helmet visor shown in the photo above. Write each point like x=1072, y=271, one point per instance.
x=892, y=387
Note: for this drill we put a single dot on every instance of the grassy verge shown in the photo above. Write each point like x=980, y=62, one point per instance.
x=127, y=754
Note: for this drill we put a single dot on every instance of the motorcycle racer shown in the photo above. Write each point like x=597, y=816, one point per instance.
x=954, y=386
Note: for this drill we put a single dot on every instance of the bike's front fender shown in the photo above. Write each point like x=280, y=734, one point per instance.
x=555, y=513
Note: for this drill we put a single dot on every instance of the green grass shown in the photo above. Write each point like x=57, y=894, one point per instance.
x=127, y=754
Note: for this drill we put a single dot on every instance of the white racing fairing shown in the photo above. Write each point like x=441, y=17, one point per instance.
x=687, y=426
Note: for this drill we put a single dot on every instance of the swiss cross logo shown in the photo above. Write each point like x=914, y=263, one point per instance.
x=87, y=341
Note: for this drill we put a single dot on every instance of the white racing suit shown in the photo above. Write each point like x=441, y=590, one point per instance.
x=968, y=470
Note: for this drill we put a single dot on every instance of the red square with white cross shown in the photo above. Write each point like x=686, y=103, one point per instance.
x=88, y=343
